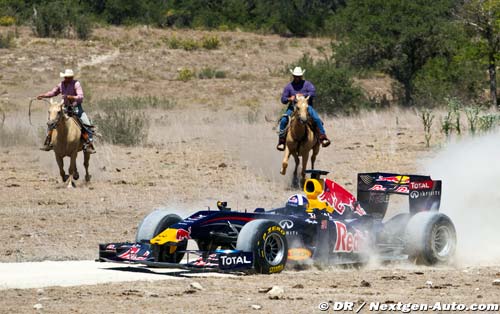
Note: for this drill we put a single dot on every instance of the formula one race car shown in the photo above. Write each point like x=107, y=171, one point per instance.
x=328, y=225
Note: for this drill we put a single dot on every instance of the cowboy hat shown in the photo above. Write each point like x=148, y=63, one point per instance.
x=67, y=73
x=297, y=71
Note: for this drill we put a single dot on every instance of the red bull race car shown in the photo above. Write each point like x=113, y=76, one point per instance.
x=325, y=225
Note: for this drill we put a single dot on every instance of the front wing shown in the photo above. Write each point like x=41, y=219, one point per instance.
x=141, y=253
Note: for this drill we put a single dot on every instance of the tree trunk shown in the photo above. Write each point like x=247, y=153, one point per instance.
x=493, y=80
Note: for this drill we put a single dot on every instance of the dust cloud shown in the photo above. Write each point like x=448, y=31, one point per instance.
x=470, y=170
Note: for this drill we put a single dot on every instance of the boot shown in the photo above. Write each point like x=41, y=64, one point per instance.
x=88, y=147
x=47, y=146
x=324, y=140
x=281, y=144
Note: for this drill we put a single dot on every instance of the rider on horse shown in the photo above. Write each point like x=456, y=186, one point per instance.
x=72, y=94
x=299, y=86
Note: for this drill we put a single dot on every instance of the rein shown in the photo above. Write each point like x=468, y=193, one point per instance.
x=29, y=109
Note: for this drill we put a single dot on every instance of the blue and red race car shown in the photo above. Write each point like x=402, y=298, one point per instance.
x=326, y=225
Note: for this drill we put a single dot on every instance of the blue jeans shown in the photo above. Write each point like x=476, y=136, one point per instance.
x=314, y=115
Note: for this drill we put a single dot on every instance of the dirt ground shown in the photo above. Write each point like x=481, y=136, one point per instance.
x=207, y=148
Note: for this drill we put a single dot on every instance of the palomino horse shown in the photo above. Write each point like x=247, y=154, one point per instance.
x=66, y=142
x=300, y=139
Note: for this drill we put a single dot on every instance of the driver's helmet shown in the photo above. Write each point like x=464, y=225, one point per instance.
x=297, y=201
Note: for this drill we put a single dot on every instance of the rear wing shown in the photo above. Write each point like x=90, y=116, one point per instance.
x=375, y=188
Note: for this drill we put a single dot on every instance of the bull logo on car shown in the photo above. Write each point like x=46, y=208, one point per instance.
x=183, y=234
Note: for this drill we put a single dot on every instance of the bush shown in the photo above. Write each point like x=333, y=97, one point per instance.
x=7, y=40
x=185, y=75
x=208, y=73
x=7, y=21
x=335, y=92
x=210, y=42
x=60, y=19
x=123, y=127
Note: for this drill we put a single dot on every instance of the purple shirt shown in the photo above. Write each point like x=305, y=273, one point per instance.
x=73, y=88
x=303, y=87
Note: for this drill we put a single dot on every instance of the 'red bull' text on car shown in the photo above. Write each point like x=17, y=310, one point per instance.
x=326, y=225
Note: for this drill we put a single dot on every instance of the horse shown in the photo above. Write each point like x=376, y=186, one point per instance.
x=66, y=142
x=300, y=139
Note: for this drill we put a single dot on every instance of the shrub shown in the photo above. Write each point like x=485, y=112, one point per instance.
x=60, y=19
x=185, y=75
x=210, y=42
x=7, y=40
x=208, y=73
x=7, y=21
x=123, y=127
x=335, y=92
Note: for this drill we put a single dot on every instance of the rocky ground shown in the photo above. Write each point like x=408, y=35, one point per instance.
x=214, y=144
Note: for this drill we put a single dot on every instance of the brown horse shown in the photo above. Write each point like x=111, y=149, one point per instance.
x=66, y=142
x=300, y=139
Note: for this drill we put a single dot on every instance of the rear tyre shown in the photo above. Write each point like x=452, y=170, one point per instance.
x=152, y=225
x=267, y=240
x=431, y=238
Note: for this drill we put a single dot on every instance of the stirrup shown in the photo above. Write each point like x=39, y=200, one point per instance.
x=46, y=148
x=89, y=148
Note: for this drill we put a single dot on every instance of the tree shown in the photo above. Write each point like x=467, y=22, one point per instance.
x=396, y=36
x=482, y=17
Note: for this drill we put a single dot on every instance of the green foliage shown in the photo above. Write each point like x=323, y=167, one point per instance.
x=210, y=42
x=60, y=19
x=397, y=36
x=123, y=127
x=427, y=118
x=185, y=75
x=335, y=92
x=7, y=40
x=7, y=20
x=208, y=73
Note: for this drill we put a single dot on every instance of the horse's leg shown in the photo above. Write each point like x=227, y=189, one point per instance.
x=284, y=164
x=295, y=179
x=86, y=158
x=60, y=164
x=72, y=170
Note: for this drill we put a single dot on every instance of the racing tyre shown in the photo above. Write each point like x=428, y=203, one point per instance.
x=431, y=238
x=267, y=240
x=152, y=225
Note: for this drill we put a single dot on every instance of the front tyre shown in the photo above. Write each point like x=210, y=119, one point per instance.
x=267, y=240
x=431, y=238
x=152, y=225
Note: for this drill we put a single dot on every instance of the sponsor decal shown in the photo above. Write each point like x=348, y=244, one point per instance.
x=429, y=193
x=377, y=187
x=111, y=247
x=132, y=254
x=348, y=241
x=422, y=185
x=395, y=179
x=414, y=194
x=403, y=189
x=276, y=269
x=183, y=234
x=286, y=224
x=236, y=260
x=299, y=254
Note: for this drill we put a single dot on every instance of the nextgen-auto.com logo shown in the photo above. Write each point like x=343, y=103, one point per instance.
x=346, y=306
